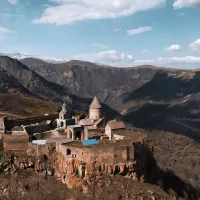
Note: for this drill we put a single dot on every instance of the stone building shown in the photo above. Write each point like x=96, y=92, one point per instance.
x=75, y=132
x=113, y=128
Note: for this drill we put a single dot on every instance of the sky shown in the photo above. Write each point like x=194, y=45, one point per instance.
x=120, y=33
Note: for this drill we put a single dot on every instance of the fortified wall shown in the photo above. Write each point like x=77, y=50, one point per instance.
x=75, y=163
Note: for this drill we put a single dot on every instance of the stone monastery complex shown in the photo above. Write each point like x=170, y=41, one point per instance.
x=77, y=149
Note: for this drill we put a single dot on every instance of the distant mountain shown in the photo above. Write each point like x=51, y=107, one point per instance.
x=147, y=96
x=32, y=61
x=20, y=56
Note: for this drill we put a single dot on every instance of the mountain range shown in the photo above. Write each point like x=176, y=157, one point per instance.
x=146, y=96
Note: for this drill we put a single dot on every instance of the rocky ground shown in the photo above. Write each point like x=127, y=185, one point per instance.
x=28, y=185
x=22, y=177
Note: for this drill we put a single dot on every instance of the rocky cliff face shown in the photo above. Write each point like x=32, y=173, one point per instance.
x=74, y=172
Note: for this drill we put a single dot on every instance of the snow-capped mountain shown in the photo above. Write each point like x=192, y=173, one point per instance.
x=21, y=55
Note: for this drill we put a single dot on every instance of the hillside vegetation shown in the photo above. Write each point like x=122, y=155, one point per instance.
x=16, y=103
x=179, y=158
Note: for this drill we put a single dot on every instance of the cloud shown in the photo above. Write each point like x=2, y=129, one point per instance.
x=13, y=1
x=110, y=57
x=118, y=29
x=178, y=4
x=4, y=32
x=195, y=45
x=99, y=45
x=115, y=58
x=120, y=59
x=174, y=47
x=184, y=60
x=69, y=11
x=165, y=61
x=139, y=30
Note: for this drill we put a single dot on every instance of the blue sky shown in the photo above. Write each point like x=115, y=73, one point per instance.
x=114, y=32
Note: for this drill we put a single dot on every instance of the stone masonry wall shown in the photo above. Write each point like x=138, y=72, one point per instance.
x=15, y=142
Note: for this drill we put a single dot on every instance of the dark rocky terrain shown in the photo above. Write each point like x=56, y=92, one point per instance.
x=21, y=77
x=178, y=160
x=148, y=97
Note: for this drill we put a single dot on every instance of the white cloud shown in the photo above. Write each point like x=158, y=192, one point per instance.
x=165, y=61
x=174, y=47
x=195, y=45
x=12, y=1
x=115, y=58
x=99, y=45
x=69, y=11
x=184, y=60
x=178, y=4
x=4, y=32
x=110, y=57
x=139, y=30
x=118, y=29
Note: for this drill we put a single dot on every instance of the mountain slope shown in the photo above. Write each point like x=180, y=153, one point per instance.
x=7, y=81
x=88, y=79
x=15, y=75
x=30, y=80
x=147, y=96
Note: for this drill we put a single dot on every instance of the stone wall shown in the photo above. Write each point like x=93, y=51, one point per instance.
x=2, y=123
x=16, y=142
x=106, y=155
x=82, y=154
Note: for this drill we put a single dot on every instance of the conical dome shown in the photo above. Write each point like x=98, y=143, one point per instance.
x=95, y=104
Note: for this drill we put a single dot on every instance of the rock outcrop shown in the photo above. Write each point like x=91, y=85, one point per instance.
x=74, y=172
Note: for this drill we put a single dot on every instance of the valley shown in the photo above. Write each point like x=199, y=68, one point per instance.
x=147, y=96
